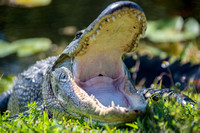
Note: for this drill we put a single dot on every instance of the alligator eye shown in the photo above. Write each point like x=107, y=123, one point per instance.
x=78, y=35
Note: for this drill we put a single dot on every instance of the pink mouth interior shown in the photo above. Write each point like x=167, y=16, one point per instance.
x=102, y=75
x=106, y=90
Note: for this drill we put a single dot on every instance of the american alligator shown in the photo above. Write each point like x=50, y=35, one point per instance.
x=89, y=78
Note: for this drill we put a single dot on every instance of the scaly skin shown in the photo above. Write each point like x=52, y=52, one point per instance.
x=89, y=78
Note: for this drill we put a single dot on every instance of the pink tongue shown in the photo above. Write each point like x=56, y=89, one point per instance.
x=103, y=89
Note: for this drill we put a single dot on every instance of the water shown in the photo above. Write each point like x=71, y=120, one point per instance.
x=50, y=21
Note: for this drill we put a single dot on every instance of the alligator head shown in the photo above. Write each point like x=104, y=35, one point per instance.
x=89, y=78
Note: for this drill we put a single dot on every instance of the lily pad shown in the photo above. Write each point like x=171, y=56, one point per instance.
x=31, y=3
x=31, y=46
x=172, y=30
x=24, y=47
x=6, y=48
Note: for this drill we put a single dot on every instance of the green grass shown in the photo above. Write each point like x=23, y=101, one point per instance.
x=160, y=116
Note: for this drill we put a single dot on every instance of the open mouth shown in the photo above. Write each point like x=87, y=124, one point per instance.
x=99, y=69
x=99, y=82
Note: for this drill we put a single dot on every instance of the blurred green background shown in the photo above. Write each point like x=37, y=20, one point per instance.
x=31, y=30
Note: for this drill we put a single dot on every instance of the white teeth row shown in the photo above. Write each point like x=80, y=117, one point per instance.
x=139, y=16
x=72, y=49
x=93, y=37
x=102, y=110
x=105, y=111
x=113, y=18
x=113, y=105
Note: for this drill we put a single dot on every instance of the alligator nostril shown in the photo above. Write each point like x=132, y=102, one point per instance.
x=134, y=27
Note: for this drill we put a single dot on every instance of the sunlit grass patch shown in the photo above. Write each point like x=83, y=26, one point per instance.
x=170, y=116
x=162, y=115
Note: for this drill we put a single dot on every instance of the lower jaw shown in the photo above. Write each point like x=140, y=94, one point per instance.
x=106, y=90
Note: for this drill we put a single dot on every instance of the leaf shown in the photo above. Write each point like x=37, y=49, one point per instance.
x=172, y=30
x=31, y=3
x=6, y=48
x=133, y=125
x=31, y=46
x=24, y=47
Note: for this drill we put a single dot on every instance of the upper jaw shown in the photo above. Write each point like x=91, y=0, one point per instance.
x=100, y=47
x=111, y=14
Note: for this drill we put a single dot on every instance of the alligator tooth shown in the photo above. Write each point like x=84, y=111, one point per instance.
x=143, y=24
x=102, y=112
x=93, y=105
x=112, y=104
x=135, y=46
x=108, y=20
x=97, y=31
x=122, y=12
x=135, y=14
x=92, y=96
x=83, y=49
x=113, y=18
x=85, y=42
x=119, y=15
x=94, y=37
x=137, y=41
x=143, y=33
x=122, y=109
x=99, y=26
x=118, y=108
x=139, y=17
x=97, y=110
x=90, y=38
